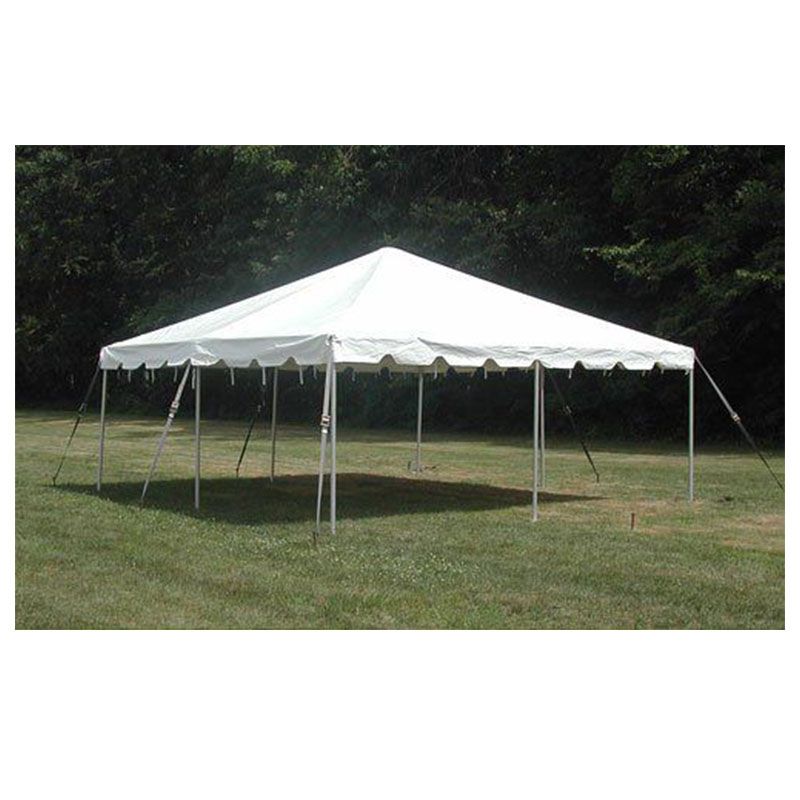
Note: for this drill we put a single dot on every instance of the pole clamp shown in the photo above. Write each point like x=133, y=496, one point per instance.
x=735, y=417
x=325, y=422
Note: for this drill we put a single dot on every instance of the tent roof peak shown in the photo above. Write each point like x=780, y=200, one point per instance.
x=390, y=303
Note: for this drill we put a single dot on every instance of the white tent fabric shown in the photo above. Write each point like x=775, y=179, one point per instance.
x=393, y=309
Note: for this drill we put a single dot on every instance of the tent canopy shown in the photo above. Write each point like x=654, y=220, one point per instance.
x=390, y=308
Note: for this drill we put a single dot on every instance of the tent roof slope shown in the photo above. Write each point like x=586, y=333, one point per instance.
x=392, y=308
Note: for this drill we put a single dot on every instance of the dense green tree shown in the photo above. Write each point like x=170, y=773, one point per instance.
x=683, y=242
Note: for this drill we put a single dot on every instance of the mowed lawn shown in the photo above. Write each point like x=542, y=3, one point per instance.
x=454, y=548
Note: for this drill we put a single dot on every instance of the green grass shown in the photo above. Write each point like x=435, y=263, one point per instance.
x=452, y=549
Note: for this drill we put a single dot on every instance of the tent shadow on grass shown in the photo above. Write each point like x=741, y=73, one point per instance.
x=292, y=498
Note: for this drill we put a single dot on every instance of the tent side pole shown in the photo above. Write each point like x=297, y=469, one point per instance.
x=102, y=447
x=273, y=423
x=323, y=442
x=197, y=374
x=541, y=418
x=419, y=422
x=536, y=430
x=691, y=435
x=333, y=450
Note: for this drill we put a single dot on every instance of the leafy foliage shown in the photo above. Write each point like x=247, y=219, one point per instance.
x=683, y=242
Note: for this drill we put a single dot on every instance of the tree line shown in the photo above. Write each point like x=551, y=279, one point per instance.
x=684, y=242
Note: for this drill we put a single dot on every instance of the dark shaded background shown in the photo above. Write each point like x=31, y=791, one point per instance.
x=681, y=242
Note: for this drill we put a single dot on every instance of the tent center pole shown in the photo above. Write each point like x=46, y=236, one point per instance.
x=419, y=422
x=333, y=450
x=102, y=448
x=197, y=438
x=691, y=435
x=273, y=423
x=536, y=431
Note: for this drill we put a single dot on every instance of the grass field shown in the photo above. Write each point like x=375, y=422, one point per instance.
x=454, y=548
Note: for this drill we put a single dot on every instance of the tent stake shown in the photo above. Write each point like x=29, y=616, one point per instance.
x=536, y=429
x=102, y=453
x=691, y=435
x=273, y=423
x=173, y=410
x=197, y=438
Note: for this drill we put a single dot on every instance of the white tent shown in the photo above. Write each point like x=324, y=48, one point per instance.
x=393, y=309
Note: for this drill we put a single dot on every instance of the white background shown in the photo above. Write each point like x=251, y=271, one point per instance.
x=395, y=714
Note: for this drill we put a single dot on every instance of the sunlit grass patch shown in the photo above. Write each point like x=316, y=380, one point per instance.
x=453, y=547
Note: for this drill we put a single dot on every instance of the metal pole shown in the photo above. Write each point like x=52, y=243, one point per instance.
x=691, y=435
x=536, y=430
x=541, y=417
x=325, y=422
x=419, y=422
x=197, y=375
x=102, y=453
x=274, y=422
x=333, y=450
